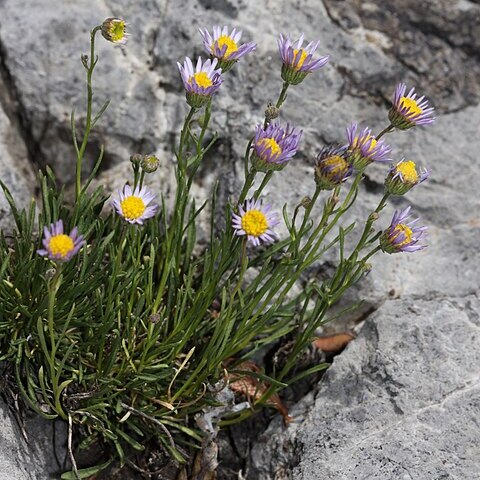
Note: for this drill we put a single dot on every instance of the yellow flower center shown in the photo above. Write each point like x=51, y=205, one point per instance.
x=271, y=144
x=61, y=245
x=407, y=231
x=117, y=31
x=229, y=42
x=254, y=222
x=337, y=166
x=303, y=55
x=408, y=171
x=202, y=80
x=411, y=105
x=133, y=207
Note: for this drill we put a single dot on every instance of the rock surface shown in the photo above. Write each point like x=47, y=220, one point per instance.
x=34, y=460
x=402, y=402
x=373, y=45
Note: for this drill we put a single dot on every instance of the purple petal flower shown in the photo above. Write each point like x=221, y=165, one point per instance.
x=403, y=176
x=256, y=222
x=274, y=146
x=408, y=111
x=331, y=168
x=57, y=245
x=297, y=60
x=225, y=46
x=363, y=148
x=201, y=81
x=401, y=236
x=135, y=206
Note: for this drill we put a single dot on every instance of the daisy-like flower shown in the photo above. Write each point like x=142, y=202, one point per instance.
x=401, y=236
x=115, y=30
x=331, y=168
x=200, y=82
x=274, y=146
x=408, y=111
x=135, y=206
x=363, y=148
x=403, y=176
x=298, y=61
x=59, y=246
x=225, y=46
x=255, y=221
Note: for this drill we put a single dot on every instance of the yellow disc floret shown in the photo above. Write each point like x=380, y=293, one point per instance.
x=229, y=42
x=270, y=143
x=337, y=166
x=117, y=31
x=411, y=105
x=61, y=245
x=254, y=222
x=408, y=171
x=201, y=79
x=132, y=207
x=299, y=53
x=407, y=231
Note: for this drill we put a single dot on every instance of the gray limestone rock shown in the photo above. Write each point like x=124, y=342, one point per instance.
x=402, y=402
x=15, y=170
x=26, y=450
x=373, y=45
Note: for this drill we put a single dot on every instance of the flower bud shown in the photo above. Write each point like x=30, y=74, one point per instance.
x=149, y=163
x=136, y=160
x=114, y=30
x=271, y=112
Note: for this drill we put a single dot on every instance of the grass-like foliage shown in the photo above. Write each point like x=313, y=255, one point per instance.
x=113, y=318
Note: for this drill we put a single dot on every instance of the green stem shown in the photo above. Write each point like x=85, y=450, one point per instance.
x=283, y=94
x=265, y=180
x=372, y=252
x=173, y=247
x=52, y=292
x=247, y=185
x=88, y=126
x=308, y=211
x=281, y=98
x=384, y=131
x=368, y=226
x=184, y=135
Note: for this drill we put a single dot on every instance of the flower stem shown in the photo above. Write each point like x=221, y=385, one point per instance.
x=247, y=185
x=281, y=98
x=81, y=152
x=384, y=131
x=265, y=180
x=283, y=94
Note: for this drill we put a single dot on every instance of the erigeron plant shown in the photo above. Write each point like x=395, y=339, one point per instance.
x=118, y=328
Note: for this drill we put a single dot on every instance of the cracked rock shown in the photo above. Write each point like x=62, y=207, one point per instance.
x=402, y=402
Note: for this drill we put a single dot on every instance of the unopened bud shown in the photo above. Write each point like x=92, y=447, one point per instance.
x=149, y=163
x=334, y=199
x=306, y=202
x=367, y=267
x=271, y=112
x=50, y=273
x=136, y=159
x=85, y=61
x=114, y=30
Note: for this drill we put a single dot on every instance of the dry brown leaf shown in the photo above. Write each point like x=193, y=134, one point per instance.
x=253, y=388
x=333, y=343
